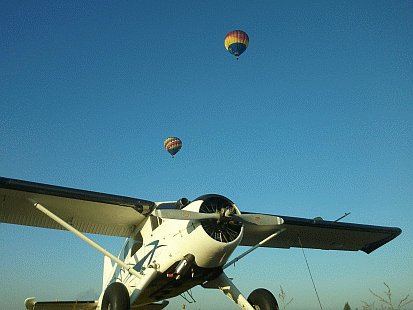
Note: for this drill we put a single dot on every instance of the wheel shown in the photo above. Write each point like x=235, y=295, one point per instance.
x=262, y=299
x=116, y=297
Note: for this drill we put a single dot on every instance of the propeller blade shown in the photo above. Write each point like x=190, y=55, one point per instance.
x=176, y=214
x=248, y=219
x=257, y=219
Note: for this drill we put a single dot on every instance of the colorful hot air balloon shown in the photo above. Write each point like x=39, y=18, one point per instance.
x=173, y=145
x=236, y=42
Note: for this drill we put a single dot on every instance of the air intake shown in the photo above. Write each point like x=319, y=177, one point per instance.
x=224, y=229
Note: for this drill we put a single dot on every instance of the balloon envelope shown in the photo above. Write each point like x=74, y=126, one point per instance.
x=173, y=145
x=236, y=42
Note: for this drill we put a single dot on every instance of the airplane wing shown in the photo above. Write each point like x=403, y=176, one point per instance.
x=319, y=234
x=60, y=305
x=88, y=212
x=82, y=305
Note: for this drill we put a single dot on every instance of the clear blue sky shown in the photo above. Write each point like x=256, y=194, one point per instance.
x=314, y=119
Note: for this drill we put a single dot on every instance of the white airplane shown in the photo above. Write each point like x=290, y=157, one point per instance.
x=172, y=246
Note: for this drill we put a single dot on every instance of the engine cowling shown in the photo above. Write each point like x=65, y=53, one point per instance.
x=224, y=230
x=211, y=239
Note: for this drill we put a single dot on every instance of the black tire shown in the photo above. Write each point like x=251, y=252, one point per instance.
x=262, y=299
x=116, y=297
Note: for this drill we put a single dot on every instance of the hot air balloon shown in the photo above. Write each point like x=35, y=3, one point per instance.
x=236, y=42
x=173, y=145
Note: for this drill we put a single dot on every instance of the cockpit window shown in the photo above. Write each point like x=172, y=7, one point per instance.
x=126, y=249
x=155, y=222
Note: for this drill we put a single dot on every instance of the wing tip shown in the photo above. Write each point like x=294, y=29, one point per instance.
x=374, y=246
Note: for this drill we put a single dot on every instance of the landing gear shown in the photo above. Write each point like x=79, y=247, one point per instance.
x=116, y=297
x=262, y=299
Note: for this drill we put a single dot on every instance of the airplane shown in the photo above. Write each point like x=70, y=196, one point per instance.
x=172, y=246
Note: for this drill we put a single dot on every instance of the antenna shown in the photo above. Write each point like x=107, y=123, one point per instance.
x=345, y=214
x=309, y=271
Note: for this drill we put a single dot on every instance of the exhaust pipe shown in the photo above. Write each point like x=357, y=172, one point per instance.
x=183, y=267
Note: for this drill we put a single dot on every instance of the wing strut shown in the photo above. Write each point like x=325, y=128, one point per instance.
x=86, y=239
x=253, y=248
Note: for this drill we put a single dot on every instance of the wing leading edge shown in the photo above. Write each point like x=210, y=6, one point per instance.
x=88, y=212
x=319, y=234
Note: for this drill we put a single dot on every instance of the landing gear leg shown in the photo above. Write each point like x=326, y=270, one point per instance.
x=228, y=288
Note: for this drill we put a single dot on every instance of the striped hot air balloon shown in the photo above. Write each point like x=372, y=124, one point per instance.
x=236, y=42
x=173, y=145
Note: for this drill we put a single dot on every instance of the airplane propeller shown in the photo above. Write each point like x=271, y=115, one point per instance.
x=219, y=218
x=224, y=215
